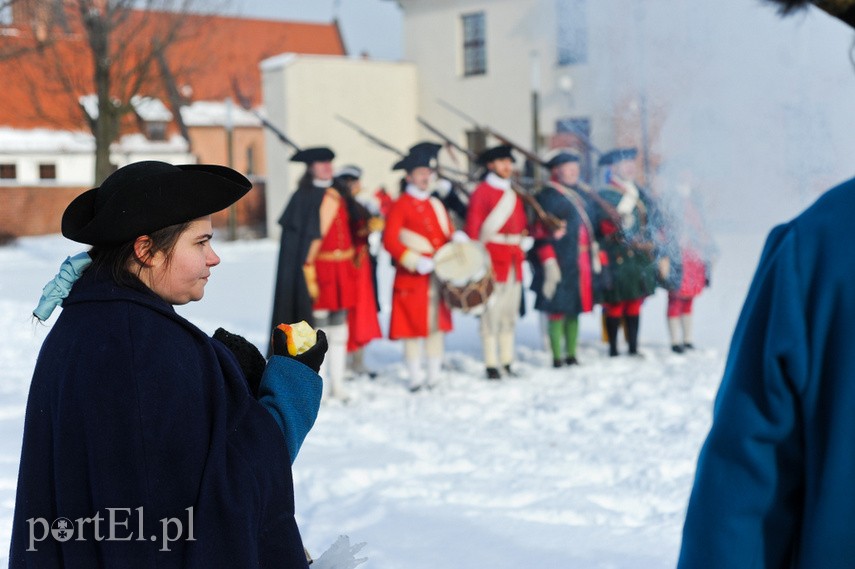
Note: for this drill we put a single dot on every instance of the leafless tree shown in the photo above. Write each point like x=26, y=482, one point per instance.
x=112, y=49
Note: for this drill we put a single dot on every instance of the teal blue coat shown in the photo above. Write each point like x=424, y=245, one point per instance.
x=633, y=271
x=775, y=483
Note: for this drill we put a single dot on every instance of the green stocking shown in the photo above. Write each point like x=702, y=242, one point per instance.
x=572, y=330
x=556, y=335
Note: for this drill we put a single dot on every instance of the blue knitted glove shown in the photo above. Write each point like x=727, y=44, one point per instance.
x=292, y=393
x=57, y=289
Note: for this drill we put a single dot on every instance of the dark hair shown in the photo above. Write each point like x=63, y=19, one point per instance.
x=307, y=179
x=788, y=6
x=357, y=213
x=115, y=260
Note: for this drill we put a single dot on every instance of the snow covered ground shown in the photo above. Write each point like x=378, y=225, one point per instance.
x=587, y=467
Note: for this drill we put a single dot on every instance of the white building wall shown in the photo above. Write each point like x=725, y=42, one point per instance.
x=522, y=56
x=73, y=155
x=304, y=94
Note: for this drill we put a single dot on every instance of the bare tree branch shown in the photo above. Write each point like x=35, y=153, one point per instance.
x=126, y=43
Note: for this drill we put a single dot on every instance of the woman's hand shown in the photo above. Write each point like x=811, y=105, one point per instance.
x=313, y=357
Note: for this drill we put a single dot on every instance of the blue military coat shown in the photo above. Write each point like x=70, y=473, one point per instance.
x=775, y=484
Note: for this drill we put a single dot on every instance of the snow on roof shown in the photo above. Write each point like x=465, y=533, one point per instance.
x=17, y=141
x=151, y=109
x=214, y=113
x=277, y=61
x=138, y=143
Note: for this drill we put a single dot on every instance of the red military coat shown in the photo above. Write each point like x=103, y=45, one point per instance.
x=428, y=220
x=334, y=262
x=504, y=248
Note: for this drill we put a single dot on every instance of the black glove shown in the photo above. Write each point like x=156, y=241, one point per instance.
x=313, y=357
x=249, y=358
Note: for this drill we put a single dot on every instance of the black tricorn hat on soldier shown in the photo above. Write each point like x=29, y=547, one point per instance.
x=421, y=155
x=496, y=153
x=617, y=155
x=315, y=154
x=561, y=156
x=142, y=197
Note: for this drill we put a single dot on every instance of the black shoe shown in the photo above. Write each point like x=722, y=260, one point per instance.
x=493, y=373
x=557, y=363
x=612, y=326
x=688, y=346
x=677, y=349
x=509, y=372
x=572, y=361
x=632, y=333
x=636, y=354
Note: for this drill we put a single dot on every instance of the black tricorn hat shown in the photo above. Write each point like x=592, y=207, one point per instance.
x=431, y=148
x=311, y=155
x=495, y=153
x=421, y=156
x=617, y=155
x=142, y=197
x=561, y=156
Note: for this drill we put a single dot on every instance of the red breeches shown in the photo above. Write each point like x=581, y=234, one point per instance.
x=679, y=306
x=625, y=308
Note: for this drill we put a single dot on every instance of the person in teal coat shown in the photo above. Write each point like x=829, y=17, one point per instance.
x=564, y=261
x=774, y=484
x=629, y=247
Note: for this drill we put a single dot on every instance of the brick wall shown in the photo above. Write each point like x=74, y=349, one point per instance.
x=38, y=210
x=33, y=210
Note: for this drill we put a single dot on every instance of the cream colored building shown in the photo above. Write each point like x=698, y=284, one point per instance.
x=304, y=94
x=509, y=64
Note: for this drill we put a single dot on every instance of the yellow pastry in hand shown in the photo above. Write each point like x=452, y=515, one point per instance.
x=300, y=337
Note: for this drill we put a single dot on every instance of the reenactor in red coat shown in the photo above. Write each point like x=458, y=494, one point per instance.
x=362, y=323
x=416, y=227
x=316, y=270
x=497, y=219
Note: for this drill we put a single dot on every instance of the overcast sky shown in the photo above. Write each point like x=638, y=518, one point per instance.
x=372, y=26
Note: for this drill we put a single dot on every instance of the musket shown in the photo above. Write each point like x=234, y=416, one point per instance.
x=246, y=104
x=534, y=158
x=490, y=131
x=549, y=221
x=471, y=155
x=386, y=146
x=377, y=141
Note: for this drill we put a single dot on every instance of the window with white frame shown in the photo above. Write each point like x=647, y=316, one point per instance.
x=474, y=44
x=5, y=13
x=47, y=172
x=8, y=171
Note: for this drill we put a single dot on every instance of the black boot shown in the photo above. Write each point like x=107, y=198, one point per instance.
x=509, y=371
x=612, y=325
x=493, y=373
x=632, y=334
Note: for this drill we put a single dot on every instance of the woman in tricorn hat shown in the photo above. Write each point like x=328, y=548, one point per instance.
x=146, y=442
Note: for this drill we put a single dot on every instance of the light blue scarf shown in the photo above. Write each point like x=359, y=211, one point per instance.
x=57, y=289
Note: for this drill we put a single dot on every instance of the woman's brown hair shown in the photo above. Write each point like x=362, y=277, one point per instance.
x=116, y=260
